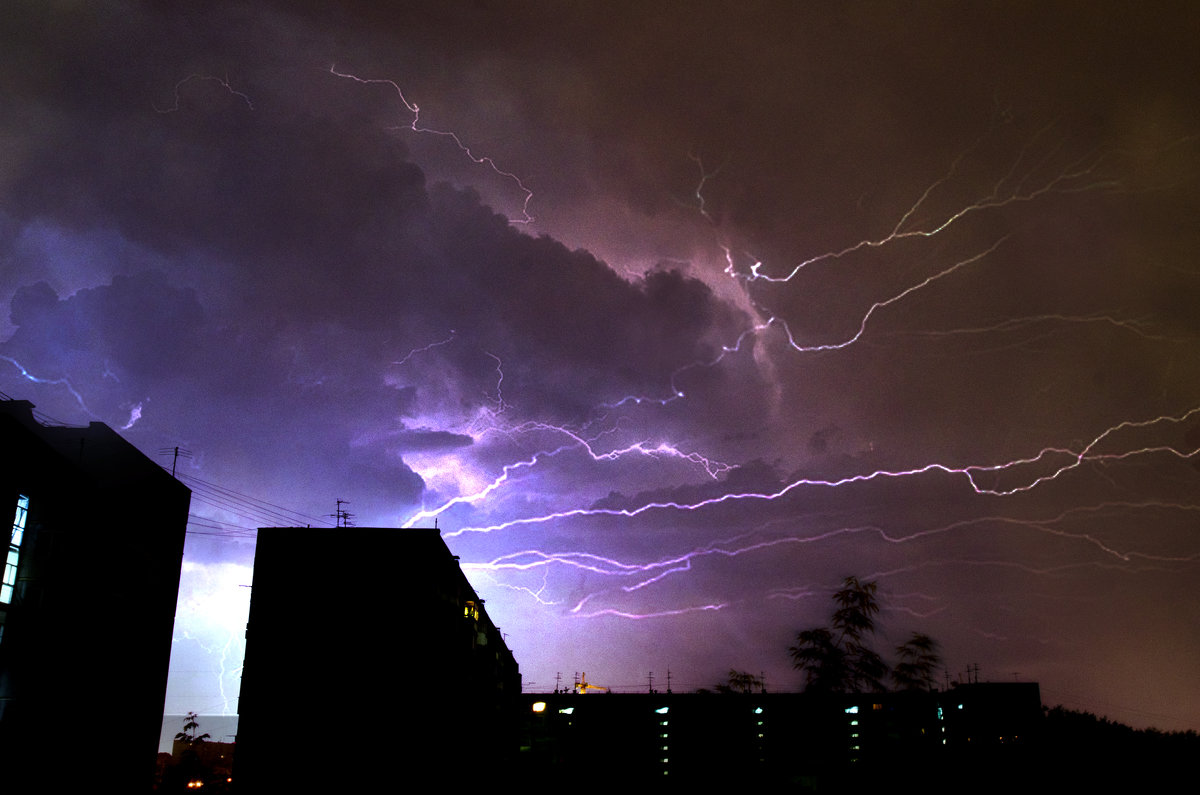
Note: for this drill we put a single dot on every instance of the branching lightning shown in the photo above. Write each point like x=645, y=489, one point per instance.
x=971, y=473
x=222, y=82
x=764, y=444
x=651, y=573
x=415, y=126
x=1003, y=479
x=63, y=382
x=1077, y=177
x=426, y=348
x=575, y=442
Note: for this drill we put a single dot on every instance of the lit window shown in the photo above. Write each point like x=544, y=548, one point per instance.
x=14, y=550
x=471, y=611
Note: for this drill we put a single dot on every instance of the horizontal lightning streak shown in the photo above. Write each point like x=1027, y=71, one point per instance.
x=529, y=559
x=639, y=616
x=662, y=450
x=969, y=472
x=1134, y=326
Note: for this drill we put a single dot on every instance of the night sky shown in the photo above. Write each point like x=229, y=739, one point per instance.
x=672, y=318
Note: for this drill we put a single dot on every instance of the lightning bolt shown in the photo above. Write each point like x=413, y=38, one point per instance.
x=222, y=82
x=969, y=473
x=429, y=347
x=135, y=414
x=733, y=547
x=227, y=652
x=639, y=616
x=1077, y=177
x=576, y=442
x=415, y=126
x=862, y=326
x=63, y=382
x=648, y=574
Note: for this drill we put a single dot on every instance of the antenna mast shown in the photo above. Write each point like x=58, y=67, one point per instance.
x=342, y=518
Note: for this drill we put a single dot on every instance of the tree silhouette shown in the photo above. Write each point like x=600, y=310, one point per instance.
x=918, y=663
x=188, y=735
x=741, y=682
x=838, y=658
x=187, y=768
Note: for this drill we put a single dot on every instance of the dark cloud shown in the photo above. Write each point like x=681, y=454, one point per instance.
x=986, y=213
x=425, y=439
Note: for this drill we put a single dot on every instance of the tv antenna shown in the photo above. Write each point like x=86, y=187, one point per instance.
x=342, y=518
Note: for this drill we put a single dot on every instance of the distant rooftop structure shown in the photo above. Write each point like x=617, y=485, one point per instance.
x=838, y=742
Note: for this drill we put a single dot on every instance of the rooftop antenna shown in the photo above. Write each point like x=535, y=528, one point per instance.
x=342, y=518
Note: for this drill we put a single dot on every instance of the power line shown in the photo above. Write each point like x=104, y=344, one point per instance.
x=253, y=509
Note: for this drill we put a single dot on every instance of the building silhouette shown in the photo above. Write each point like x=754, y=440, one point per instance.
x=845, y=742
x=370, y=661
x=87, y=604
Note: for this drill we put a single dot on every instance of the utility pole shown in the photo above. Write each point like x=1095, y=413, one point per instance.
x=175, y=452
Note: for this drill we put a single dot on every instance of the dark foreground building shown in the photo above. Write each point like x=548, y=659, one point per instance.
x=87, y=605
x=370, y=665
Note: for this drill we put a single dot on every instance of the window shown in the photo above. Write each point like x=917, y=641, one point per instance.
x=14, y=550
